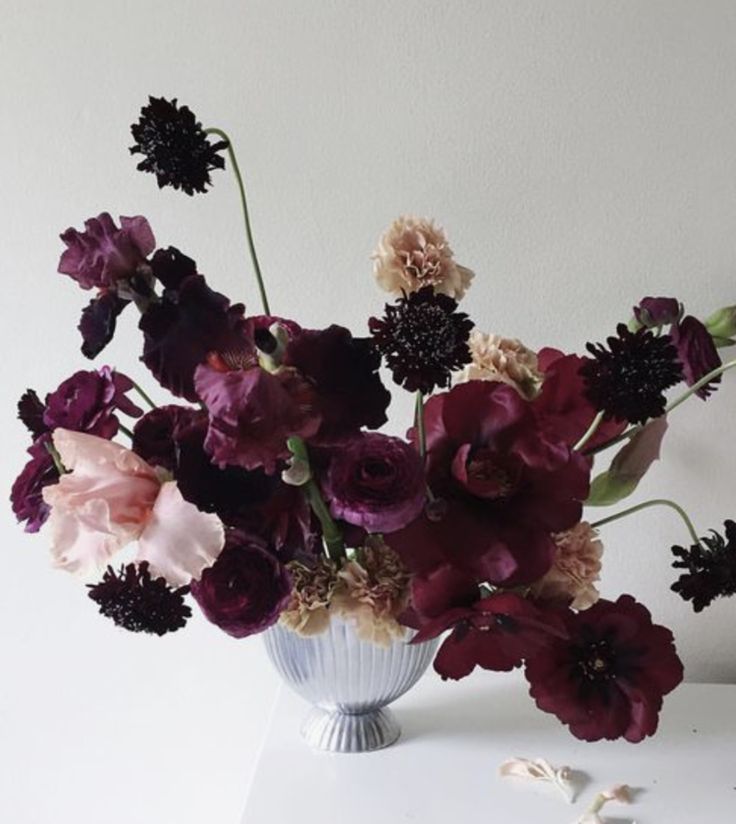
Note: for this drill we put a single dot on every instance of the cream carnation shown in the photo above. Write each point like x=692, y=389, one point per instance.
x=576, y=568
x=506, y=360
x=307, y=612
x=414, y=253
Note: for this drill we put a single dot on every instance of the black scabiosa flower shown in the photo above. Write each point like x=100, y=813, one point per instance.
x=711, y=568
x=175, y=147
x=423, y=339
x=627, y=380
x=139, y=603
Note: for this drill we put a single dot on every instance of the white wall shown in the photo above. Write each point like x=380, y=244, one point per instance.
x=580, y=155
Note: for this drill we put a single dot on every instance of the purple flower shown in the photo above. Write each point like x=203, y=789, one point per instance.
x=30, y=412
x=344, y=373
x=26, y=495
x=188, y=323
x=375, y=482
x=98, y=322
x=652, y=312
x=246, y=589
x=103, y=255
x=697, y=353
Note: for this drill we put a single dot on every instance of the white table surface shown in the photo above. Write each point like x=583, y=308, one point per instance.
x=455, y=735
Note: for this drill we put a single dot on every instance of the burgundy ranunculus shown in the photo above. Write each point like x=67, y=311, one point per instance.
x=495, y=633
x=253, y=413
x=653, y=312
x=188, y=323
x=697, y=353
x=502, y=486
x=87, y=402
x=26, y=495
x=375, y=482
x=245, y=590
x=607, y=679
x=344, y=373
x=104, y=254
x=561, y=405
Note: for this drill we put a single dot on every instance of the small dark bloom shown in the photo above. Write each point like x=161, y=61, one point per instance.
x=711, y=568
x=607, y=678
x=627, y=380
x=343, y=370
x=139, y=603
x=246, y=589
x=98, y=322
x=697, y=353
x=30, y=412
x=175, y=146
x=423, y=339
x=653, y=312
x=26, y=495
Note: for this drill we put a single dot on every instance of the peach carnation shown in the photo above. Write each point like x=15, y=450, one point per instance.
x=308, y=610
x=506, y=360
x=414, y=253
x=576, y=568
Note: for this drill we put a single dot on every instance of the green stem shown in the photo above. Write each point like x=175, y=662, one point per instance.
x=126, y=431
x=52, y=450
x=645, y=505
x=592, y=429
x=246, y=216
x=419, y=418
x=144, y=395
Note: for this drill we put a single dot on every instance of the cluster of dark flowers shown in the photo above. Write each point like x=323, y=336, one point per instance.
x=271, y=459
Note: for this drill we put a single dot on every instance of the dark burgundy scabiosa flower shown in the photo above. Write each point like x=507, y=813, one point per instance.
x=608, y=677
x=495, y=633
x=697, y=352
x=711, y=568
x=627, y=380
x=26, y=495
x=506, y=485
x=375, y=482
x=190, y=321
x=423, y=339
x=139, y=603
x=246, y=588
x=343, y=371
x=175, y=146
x=653, y=312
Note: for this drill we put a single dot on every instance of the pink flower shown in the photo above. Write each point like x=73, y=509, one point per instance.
x=110, y=497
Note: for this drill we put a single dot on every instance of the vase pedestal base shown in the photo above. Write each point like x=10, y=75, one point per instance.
x=335, y=731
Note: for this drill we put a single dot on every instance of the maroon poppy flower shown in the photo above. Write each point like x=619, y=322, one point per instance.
x=505, y=484
x=253, y=413
x=697, y=353
x=26, y=496
x=103, y=255
x=375, y=482
x=653, y=312
x=608, y=678
x=188, y=323
x=495, y=633
x=344, y=373
x=246, y=589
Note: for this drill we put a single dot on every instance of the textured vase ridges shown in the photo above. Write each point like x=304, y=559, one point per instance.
x=349, y=681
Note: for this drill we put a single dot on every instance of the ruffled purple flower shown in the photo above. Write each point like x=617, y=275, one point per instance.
x=246, y=589
x=98, y=322
x=26, y=495
x=697, y=353
x=375, y=482
x=653, y=312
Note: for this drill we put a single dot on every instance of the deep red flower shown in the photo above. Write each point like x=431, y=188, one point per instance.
x=246, y=588
x=697, y=353
x=26, y=496
x=653, y=312
x=496, y=633
x=503, y=483
x=608, y=678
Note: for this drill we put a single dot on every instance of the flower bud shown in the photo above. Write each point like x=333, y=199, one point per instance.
x=722, y=325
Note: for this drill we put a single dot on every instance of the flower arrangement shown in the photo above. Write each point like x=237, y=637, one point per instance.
x=266, y=494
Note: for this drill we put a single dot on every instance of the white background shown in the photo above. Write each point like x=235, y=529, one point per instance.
x=580, y=155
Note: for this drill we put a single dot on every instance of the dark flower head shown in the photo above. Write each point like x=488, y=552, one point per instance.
x=653, y=312
x=188, y=323
x=26, y=495
x=627, y=380
x=139, y=603
x=30, y=412
x=246, y=589
x=608, y=677
x=423, y=339
x=495, y=633
x=711, y=568
x=375, y=482
x=697, y=352
x=98, y=322
x=343, y=371
x=175, y=146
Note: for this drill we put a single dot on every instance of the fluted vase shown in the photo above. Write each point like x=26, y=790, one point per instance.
x=349, y=682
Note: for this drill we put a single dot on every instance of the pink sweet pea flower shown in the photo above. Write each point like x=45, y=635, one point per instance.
x=110, y=497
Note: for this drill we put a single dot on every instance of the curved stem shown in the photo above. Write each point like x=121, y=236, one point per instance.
x=144, y=395
x=592, y=429
x=126, y=431
x=419, y=419
x=246, y=216
x=645, y=505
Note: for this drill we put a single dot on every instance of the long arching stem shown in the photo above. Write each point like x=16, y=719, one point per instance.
x=645, y=505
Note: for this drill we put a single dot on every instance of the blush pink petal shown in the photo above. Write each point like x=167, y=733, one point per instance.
x=179, y=541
